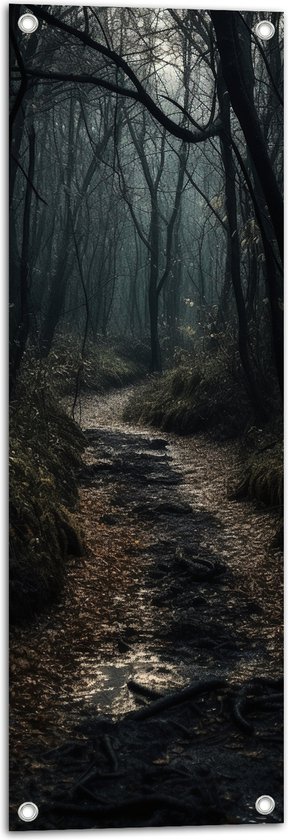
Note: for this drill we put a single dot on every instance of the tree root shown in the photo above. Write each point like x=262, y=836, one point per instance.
x=185, y=732
x=111, y=752
x=177, y=698
x=115, y=809
x=199, y=568
x=243, y=700
x=92, y=774
x=137, y=688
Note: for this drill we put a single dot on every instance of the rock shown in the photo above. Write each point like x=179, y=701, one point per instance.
x=123, y=647
x=108, y=519
x=157, y=443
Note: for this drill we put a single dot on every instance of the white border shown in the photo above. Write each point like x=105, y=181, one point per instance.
x=131, y=834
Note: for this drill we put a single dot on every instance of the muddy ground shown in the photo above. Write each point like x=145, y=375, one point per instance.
x=151, y=693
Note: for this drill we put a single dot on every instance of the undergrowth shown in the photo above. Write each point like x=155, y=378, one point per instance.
x=198, y=396
x=102, y=366
x=207, y=395
x=45, y=455
x=261, y=470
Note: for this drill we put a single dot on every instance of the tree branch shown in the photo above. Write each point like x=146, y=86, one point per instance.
x=29, y=181
x=140, y=94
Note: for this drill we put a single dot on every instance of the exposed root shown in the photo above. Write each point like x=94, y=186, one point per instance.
x=111, y=752
x=200, y=569
x=131, y=808
x=177, y=698
x=137, y=688
x=244, y=699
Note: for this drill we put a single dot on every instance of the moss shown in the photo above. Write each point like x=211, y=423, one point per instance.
x=204, y=395
x=45, y=455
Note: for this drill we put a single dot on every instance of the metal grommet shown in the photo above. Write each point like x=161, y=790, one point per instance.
x=265, y=805
x=28, y=811
x=28, y=23
x=264, y=30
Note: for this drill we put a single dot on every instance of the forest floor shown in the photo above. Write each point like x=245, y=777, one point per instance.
x=179, y=587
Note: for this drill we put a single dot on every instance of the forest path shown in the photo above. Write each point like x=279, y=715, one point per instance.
x=178, y=585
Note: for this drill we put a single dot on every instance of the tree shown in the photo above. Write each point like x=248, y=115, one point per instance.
x=148, y=231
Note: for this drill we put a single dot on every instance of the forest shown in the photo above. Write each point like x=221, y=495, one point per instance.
x=146, y=396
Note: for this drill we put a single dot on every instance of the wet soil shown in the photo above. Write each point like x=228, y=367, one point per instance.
x=178, y=587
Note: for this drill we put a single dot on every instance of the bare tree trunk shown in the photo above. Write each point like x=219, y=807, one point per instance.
x=153, y=295
x=233, y=249
x=18, y=341
x=233, y=68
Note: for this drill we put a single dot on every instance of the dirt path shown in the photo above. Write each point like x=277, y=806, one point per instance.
x=179, y=585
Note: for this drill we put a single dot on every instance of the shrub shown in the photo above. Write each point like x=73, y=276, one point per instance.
x=45, y=454
x=196, y=397
x=103, y=366
x=261, y=474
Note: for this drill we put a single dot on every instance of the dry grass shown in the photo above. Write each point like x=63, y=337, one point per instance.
x=261, y=475
x=207, y=395
x=45, y=454
x=200, y=396
x=103, y=365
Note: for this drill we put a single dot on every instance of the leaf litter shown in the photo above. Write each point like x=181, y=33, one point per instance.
x=178, y=585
